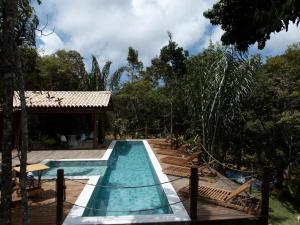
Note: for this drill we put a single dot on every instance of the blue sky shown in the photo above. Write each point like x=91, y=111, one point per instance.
x=107, y=28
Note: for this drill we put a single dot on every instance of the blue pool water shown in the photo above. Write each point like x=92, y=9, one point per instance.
x=75, y=168
x=128, y=165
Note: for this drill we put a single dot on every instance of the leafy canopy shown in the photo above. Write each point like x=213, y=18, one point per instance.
x=248, y=21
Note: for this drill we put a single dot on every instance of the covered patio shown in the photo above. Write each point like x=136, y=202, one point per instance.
x=64, y=119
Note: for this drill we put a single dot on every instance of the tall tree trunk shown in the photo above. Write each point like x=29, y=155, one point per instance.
x=171, y=111
x=23, y=148
x=8, y=71
x=7, y=146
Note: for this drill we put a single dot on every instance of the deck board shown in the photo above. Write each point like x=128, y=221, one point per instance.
x=42, y=208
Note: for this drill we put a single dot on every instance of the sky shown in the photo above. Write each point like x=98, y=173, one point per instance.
x=106, y=28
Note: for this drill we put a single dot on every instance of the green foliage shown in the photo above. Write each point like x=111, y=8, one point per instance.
x=134, y=66
x=217, y=81
x=95, y=76
x=62, y=70
x=249, y=21
x=105, y=75
x=273, y=118
x=171, y=64
x=169, y=71
x=26, y=24
x=100, y=80
x=114, y=81
x=137, y=105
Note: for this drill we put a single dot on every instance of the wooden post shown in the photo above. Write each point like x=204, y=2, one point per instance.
x=115, y=132
x=250, y=188
x=193, y=192
x=60, y=196
x=17, y=130
x=95, y=130
x=265, y=191
x=102, y=126
x=146, y=130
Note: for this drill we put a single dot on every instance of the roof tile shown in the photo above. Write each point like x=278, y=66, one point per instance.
x=61, y=99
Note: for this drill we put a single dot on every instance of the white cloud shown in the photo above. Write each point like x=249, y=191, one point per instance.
x=108, y=28
x=280, y=41
x=49, y=43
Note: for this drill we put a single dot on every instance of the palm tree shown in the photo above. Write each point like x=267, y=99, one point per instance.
x=218, y=79
x=99, y=79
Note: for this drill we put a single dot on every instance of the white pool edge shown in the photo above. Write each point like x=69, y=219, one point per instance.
x=179, y=212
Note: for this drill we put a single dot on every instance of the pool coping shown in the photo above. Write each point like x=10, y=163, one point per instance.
x=179, y=212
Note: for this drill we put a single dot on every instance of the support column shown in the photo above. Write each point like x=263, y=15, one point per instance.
x=102, y=126
x=17, y=129
x=265, y=191
x=95, y=130
x=146, y=130
x=193, y=192
x=60, y=196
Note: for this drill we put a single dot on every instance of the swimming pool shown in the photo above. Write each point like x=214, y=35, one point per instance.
x=129, y=163
x=128, y=166
x=75, y=169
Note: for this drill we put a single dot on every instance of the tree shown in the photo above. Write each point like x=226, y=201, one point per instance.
x=134, y=66
x=95, y=74
x=249, y=21
x=99, y=78
x=170, y=68
x=17, y=28
x=28, y=22
x=217, y=81
x=273, y=113
x=104, y=76
x=138, y=106
x=8, y=20
x=62, y=71
x=29, y=60
x=114, y=80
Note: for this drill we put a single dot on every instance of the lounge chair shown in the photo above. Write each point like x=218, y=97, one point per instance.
x=180, y=161
x=169, y=152
x=231, y=199
x=181, y=151
x=185, y=172
x=203, y=171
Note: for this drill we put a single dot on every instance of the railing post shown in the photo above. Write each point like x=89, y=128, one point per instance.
x=146, y=131
x=115, y=132
x=193, y=192
x=60, y=196
x=265, y=191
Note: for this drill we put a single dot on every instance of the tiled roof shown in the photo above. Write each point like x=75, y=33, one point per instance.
x=62, y=99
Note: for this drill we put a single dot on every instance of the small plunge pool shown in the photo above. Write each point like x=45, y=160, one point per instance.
x=74, y=168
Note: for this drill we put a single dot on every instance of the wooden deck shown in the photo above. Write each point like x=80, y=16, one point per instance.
x=36, y=156
x=43, y=208
x=208, y=211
